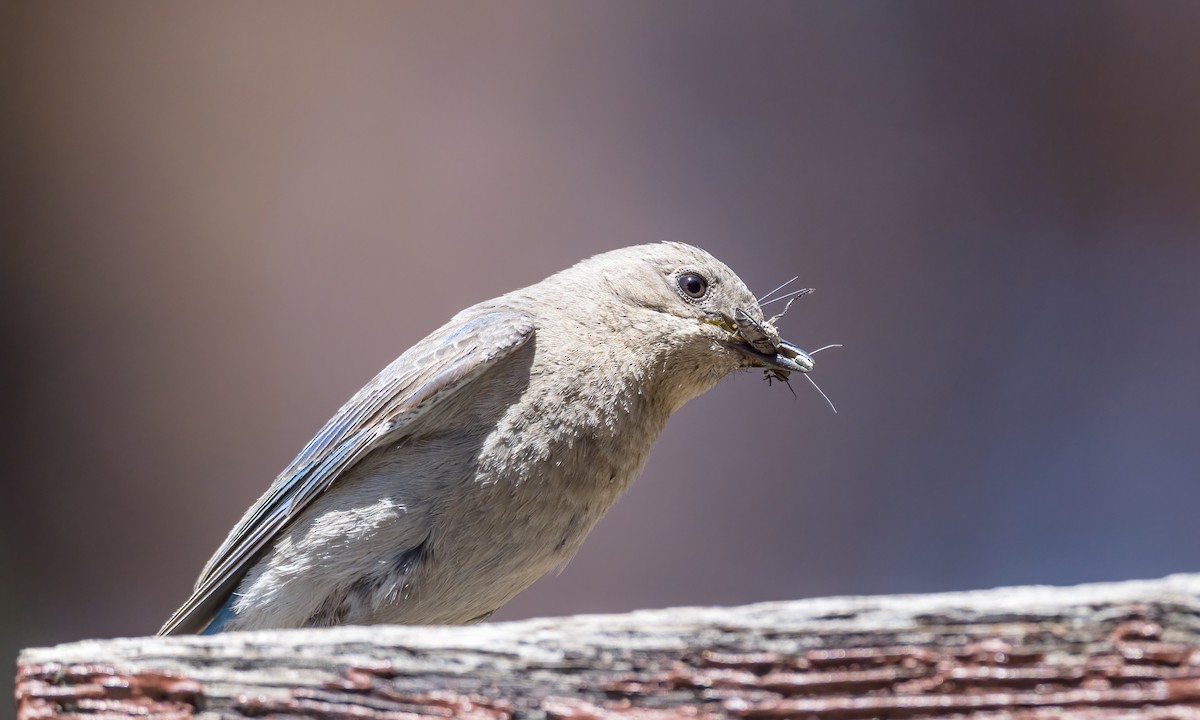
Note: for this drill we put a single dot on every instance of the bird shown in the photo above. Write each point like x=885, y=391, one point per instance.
x=481, y=458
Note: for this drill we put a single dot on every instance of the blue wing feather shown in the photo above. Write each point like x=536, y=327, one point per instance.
x=388, y=407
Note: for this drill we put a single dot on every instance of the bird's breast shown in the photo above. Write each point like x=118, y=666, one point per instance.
x=545, y=474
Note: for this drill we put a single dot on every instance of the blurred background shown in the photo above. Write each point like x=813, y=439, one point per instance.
x=219, y=220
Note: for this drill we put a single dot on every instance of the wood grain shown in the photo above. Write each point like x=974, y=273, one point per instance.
x=1123, y=650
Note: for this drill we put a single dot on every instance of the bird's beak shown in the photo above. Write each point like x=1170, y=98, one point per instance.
x=787, y=357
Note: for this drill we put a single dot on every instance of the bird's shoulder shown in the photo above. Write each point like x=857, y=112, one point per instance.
x=385, y=409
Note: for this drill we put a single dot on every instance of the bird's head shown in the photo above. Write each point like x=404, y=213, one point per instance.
x=696, y=304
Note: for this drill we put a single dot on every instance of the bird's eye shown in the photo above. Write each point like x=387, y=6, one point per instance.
x=693, y=285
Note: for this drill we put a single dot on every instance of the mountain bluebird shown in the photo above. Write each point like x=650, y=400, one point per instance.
x=481, y=458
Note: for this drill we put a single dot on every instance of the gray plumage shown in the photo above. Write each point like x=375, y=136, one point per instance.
x=480, y=458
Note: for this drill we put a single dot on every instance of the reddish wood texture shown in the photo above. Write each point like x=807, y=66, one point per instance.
x=1125, y=650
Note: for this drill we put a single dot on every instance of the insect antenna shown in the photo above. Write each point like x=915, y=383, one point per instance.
x=814, y=352
x=818, y=387
x=789, y=282
x=785, y=296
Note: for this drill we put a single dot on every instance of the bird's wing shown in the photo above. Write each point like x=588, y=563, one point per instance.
x=387, y=408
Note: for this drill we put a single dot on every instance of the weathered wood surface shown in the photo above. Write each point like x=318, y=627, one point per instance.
x=1125, y=650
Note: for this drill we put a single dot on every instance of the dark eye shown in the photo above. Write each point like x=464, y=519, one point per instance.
x=693, y=285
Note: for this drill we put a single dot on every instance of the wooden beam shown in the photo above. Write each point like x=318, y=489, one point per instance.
x=1123, y=650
